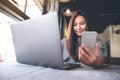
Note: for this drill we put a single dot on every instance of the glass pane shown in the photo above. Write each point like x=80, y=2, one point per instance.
x=31, y=10
x=6, y=45
x=5, y=19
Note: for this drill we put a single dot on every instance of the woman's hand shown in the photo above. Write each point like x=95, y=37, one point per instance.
x=89, y=58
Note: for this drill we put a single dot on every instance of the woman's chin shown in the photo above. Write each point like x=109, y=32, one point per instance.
x=79, y=34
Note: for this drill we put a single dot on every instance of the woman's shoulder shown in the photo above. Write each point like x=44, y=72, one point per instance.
x=64, y=40
x=98, y=40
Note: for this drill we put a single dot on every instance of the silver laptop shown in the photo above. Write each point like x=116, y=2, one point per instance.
x=37, y=41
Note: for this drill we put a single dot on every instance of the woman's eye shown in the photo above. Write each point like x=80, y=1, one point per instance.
x=82, y=23
x=75, y=24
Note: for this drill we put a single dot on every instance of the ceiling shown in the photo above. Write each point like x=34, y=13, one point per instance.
x=101, y=13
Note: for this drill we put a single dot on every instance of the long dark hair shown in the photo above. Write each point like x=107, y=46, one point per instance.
x=72, y=37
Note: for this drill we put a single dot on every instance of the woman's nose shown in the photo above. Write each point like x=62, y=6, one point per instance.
x=78, y=27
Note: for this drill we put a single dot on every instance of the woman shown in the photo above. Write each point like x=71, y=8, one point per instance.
x=73, y=50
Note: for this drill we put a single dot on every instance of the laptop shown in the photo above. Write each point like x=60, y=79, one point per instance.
x=37, y=42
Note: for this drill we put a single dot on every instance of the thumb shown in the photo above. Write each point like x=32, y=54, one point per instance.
x=97, y=49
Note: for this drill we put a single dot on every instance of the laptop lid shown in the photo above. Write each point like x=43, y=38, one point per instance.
x=37, y=41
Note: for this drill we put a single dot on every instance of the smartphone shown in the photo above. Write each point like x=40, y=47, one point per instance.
x=89, y=39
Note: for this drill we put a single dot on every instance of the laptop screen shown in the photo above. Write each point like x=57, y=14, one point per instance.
x=37, y=41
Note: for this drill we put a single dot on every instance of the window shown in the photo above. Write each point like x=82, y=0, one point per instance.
x=28, y=7
x=6, y=46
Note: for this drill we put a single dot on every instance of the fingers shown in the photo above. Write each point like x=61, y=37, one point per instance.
x=84, y=54
x=87, y=50
x=82, y=58
x=85, y=58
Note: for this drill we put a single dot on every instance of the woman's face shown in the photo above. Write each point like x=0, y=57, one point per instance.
x=80, y=25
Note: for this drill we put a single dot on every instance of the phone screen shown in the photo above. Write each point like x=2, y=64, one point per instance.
x=89, y=39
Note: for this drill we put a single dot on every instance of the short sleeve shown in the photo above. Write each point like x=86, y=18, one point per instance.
x=102, y=48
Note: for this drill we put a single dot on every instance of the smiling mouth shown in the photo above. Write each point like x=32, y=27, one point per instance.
x=79, y=31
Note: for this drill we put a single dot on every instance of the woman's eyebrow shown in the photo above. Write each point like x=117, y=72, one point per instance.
x=83, y=21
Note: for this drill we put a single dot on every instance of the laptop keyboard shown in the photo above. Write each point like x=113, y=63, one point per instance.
x=68, y=65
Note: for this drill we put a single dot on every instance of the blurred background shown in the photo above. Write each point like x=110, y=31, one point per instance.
x=103, y=17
